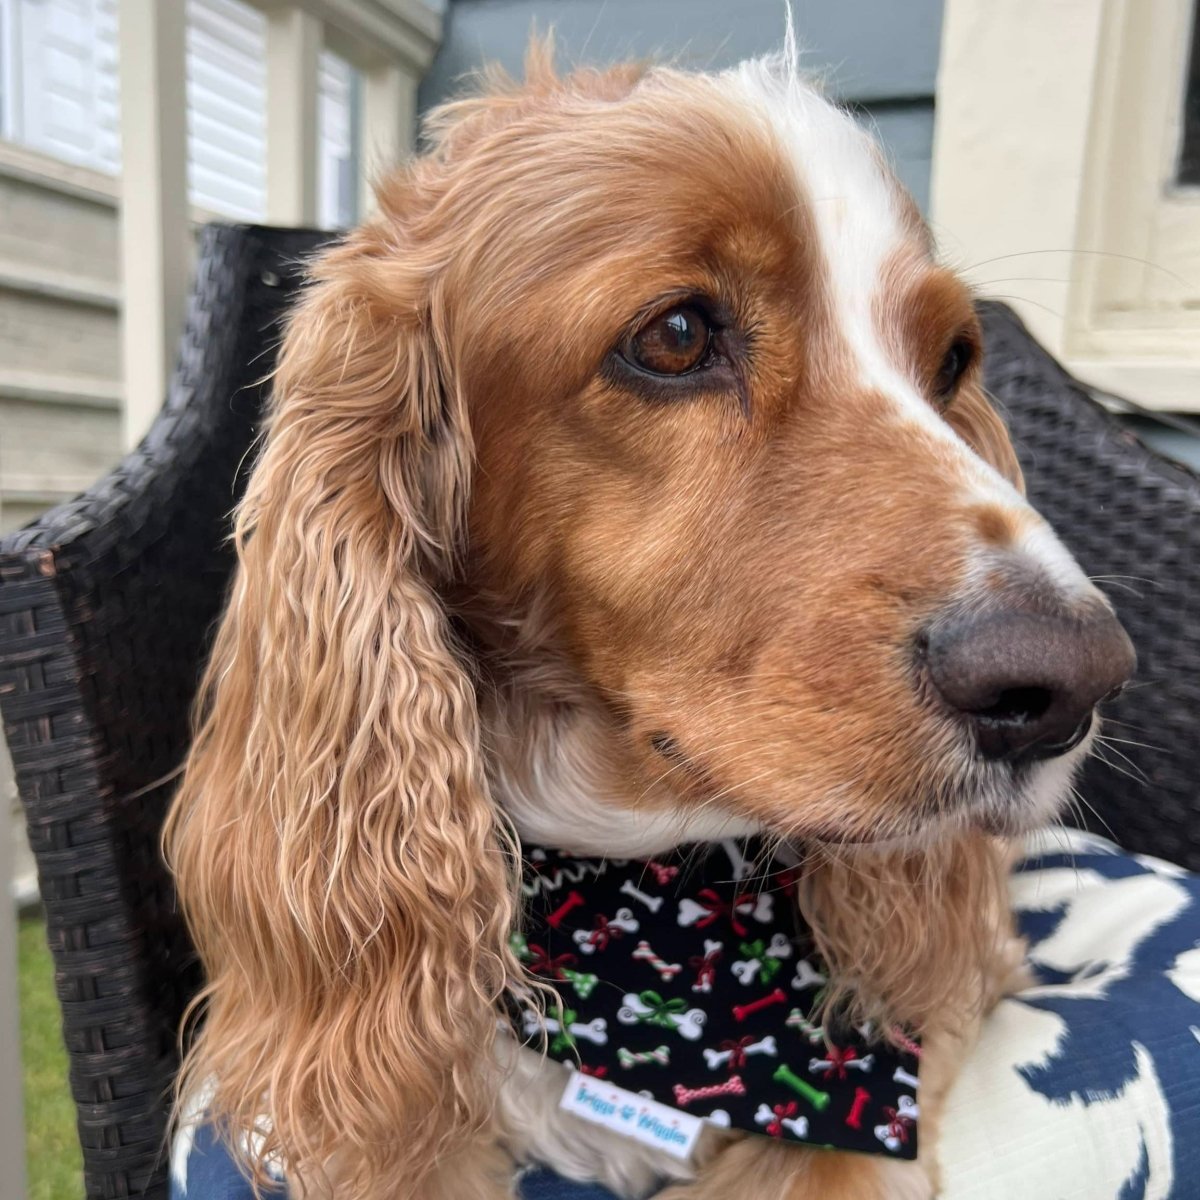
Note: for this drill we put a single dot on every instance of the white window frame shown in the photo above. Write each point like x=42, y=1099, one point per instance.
x=1055, y=155
x=10, y=65
x=26, y=118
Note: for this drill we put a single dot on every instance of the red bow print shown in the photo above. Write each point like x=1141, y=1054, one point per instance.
x=604, y=932
x=898, y=1124
x=705, y=966
x=736, y=1049
x=838, y=1057
x=540, y=962
x=662, y=874
x=716, y=908
x=782, y=1112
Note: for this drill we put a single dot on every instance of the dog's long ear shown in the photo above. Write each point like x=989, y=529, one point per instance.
x=345, y=875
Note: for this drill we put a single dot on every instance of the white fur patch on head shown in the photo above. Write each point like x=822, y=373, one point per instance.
x=855, y=204
x=853, y=201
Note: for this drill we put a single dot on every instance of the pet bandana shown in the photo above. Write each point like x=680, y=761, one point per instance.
x=689, y=981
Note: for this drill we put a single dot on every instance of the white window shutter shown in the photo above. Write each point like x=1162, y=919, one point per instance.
x=227, y=116
x=227, y=98
x=336, y=159
x=63, y=103
x=62, y=96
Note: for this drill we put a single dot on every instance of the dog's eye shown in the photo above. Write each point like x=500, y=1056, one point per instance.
x=954, y=366
x=674, y=343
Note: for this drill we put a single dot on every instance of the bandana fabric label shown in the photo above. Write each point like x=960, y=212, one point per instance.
x=688, y=982
x=628, y=1113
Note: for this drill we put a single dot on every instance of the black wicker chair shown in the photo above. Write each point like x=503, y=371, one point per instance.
x=105, y=607
x=106, y=604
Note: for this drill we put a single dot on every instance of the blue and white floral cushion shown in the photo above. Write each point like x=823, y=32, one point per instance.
x=1086, y=1086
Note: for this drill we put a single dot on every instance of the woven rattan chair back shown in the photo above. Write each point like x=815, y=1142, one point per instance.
x=106, y=604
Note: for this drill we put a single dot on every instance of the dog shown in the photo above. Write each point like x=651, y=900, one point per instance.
x=629, y=485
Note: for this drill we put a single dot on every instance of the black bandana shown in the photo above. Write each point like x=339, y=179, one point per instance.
x=687, y=981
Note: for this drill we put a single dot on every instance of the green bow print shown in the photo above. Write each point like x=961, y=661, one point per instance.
x=661, y=1011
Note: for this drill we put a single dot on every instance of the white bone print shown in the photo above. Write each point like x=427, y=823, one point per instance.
x=653, y=903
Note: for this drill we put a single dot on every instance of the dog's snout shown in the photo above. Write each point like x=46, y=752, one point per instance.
x=1025, y=682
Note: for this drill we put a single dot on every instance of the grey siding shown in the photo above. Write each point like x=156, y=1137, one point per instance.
x=877, y=55
x=60, y=384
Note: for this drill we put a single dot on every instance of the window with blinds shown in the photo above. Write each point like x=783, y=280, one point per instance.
x=227, y=107
x=59, y=94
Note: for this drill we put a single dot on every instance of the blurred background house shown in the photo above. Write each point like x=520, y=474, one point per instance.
x=63, y=175
x=1054, y=146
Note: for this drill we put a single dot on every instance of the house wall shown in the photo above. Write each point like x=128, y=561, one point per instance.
x=60, y=295
x=59, y=308
x=877, y=55
x=1056, y=184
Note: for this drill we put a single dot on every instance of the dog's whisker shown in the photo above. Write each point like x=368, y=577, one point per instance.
x=1110, y=720
x=1139, y=779
x=1072, y=252
x=1135, y=578
x=1108, y=739
x=1113, y=582
x=1079, y=796
x=1106, y=743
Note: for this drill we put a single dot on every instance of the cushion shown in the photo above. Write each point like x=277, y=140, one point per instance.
x=1085, y=1086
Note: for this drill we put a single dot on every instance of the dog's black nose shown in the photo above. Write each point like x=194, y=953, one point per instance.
x=1027, y=682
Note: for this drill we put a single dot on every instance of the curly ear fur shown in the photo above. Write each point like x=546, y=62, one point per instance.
x=347, y=879
x=910, y=937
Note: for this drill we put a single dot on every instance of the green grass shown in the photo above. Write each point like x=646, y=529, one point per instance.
x=51, y=1146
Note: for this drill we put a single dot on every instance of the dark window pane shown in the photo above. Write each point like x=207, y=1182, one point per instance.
x=1189, y=158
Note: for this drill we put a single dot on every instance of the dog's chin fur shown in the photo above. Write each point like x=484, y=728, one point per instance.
x=1008, y=808
x=553, y=769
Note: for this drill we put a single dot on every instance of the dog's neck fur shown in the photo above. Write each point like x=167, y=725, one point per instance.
x=555, y=757
x=555, y=766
